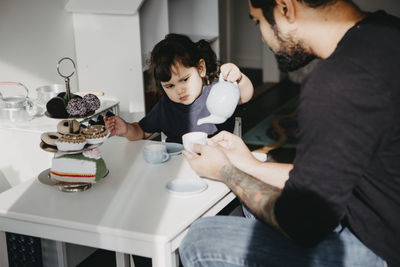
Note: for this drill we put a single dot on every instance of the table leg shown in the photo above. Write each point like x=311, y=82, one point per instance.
x=124, y=260
x=175, y=258
x=3, y=250
x=164, y=258
x=61, y=254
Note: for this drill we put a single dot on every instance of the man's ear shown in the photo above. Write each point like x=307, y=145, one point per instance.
x=287, y=9
x=201, y=68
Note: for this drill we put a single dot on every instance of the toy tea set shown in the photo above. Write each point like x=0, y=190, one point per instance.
x=221, y=103
x=77, y=163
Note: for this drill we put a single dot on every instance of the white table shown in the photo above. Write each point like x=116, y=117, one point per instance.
x=129, y=212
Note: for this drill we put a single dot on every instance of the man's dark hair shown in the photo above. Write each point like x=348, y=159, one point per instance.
x=267, y=6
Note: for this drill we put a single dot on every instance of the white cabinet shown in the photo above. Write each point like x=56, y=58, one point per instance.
x=108, y=52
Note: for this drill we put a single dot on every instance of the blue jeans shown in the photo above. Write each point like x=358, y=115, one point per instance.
x=237, y=241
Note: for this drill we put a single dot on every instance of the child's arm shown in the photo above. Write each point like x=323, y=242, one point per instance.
x=232, y=73
x=135, y=132
x=132, y=131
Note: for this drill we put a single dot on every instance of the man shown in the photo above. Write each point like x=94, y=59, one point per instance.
x=339, y=203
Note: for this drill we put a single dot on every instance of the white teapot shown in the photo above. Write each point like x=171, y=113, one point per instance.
x=221, y=102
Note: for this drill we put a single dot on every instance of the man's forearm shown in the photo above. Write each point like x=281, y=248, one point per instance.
x=259, y=197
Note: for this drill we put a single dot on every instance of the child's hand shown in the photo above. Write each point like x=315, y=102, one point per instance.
x=231, y=73
x=116, y=125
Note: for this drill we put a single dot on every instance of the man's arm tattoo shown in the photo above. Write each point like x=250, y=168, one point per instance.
x=259, y=197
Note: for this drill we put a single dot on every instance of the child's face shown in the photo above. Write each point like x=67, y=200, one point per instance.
x=186, y=84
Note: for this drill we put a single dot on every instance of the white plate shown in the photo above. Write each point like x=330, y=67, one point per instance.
x=186, y=187
x=44, y=178
x=174, y=148
x=54, y=149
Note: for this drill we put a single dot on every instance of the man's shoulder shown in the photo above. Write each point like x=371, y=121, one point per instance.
x=371, y=40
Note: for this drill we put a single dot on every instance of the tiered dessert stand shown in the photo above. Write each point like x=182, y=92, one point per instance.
x=44, y=177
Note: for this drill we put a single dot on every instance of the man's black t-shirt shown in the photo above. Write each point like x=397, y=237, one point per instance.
x=174, y=119
x=347, y=165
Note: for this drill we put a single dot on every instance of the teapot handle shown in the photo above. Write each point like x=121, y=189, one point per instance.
x=16, y=84
x=221, y=79
x=31, y=107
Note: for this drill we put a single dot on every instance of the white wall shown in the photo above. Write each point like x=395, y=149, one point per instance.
x=194, y=17
x=243, y=39
x=35, y=35
x=153, y=25
x=197, y=19
x=246, y=38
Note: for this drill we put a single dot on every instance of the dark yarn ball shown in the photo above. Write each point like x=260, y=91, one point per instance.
x=76, y=107
x=92, y=102
x=56, y=107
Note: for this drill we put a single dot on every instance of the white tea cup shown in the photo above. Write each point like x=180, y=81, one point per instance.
x=194, y=137
x=155, y=153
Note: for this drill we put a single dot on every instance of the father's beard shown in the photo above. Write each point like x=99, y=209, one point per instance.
x=292, y=55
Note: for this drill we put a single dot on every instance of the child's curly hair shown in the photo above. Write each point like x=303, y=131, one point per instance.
x=180, y=48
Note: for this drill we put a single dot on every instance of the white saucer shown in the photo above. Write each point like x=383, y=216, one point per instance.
x=186, y=187
x=174, y=148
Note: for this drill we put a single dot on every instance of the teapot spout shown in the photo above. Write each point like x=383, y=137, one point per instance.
x=211, y=119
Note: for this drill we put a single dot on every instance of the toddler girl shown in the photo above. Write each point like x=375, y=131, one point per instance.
x=185, y=71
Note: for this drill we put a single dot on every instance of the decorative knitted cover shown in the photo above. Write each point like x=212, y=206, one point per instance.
x=77, y=168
